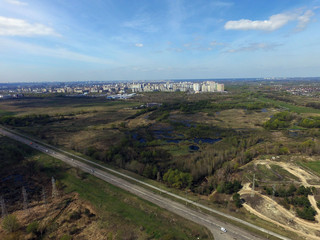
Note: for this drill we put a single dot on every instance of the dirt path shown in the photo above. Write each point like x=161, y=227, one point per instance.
x=297, y=171
x=282, y=210
x=314, y=205
x=253, y=211
x=305, y=177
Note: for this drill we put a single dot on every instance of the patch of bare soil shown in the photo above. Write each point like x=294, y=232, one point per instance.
x=306, y=177
x=269, y=210
x=67, y=215
x=140, y=121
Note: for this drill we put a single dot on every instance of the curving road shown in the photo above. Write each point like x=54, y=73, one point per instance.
x=212, y=223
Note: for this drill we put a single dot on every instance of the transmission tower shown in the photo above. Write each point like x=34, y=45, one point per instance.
x=3, y=208
x=253, y=185
x=25, y=198
x=54, y=188
x=273, y=191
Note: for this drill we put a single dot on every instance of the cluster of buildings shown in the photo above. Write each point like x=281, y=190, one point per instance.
x=304, y=91
x=110, y=88
x=8, y=96
x=196, y=87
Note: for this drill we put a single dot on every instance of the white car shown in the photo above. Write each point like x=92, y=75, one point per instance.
x=223, y=229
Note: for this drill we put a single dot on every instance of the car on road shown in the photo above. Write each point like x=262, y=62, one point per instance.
x=223, y=229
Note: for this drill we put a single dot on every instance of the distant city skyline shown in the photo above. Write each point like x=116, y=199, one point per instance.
x=106, y=40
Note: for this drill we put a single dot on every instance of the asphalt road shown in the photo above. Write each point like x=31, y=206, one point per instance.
x=212, y=223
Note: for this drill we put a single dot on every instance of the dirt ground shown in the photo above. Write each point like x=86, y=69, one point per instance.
x=67, y=215
x=268, y=209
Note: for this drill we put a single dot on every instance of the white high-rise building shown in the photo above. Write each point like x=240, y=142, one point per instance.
x=220, y=87
x=196, y=87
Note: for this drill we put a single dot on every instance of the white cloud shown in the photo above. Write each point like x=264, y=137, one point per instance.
x=304, y=19
x=273, y=23
x=139, y=44
x=16, y=2
x=18, y=27
x=254, y=47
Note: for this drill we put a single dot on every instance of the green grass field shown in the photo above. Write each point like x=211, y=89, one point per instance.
x=312, y=165
x=288, y=106
x=5, y=113
x=62, y=105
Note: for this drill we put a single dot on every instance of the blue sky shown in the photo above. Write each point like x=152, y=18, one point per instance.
x=77, y=40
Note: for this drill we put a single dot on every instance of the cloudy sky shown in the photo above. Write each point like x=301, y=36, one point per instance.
x=76, y=40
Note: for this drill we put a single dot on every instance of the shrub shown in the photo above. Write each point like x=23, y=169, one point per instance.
x=302, y=201
x=10, y=223
x=75, y=215
x=66, y=237
x=237, y=200
x=307, y=213
x=33, y=227
x=229, y=187
x=279, y=121
x=177, y=179
x=304, y=191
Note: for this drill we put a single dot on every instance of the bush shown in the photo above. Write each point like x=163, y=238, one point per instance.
x=302, y=201
x=75, y=215
x=305, y=191
x=66, y=237
x=307, y=213
x=229, y=187
x=33, y=227
x=279, y=121
x=268, y=190
x=310, y=123
x=169, y=236
x=237, y=200
x=10, y=223
x=177, y=179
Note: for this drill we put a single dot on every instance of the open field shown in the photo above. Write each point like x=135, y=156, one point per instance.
x=61, y=105
x=312, y=165
x=289, y=106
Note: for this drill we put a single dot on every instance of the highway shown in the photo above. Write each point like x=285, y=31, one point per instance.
x=194, y=214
